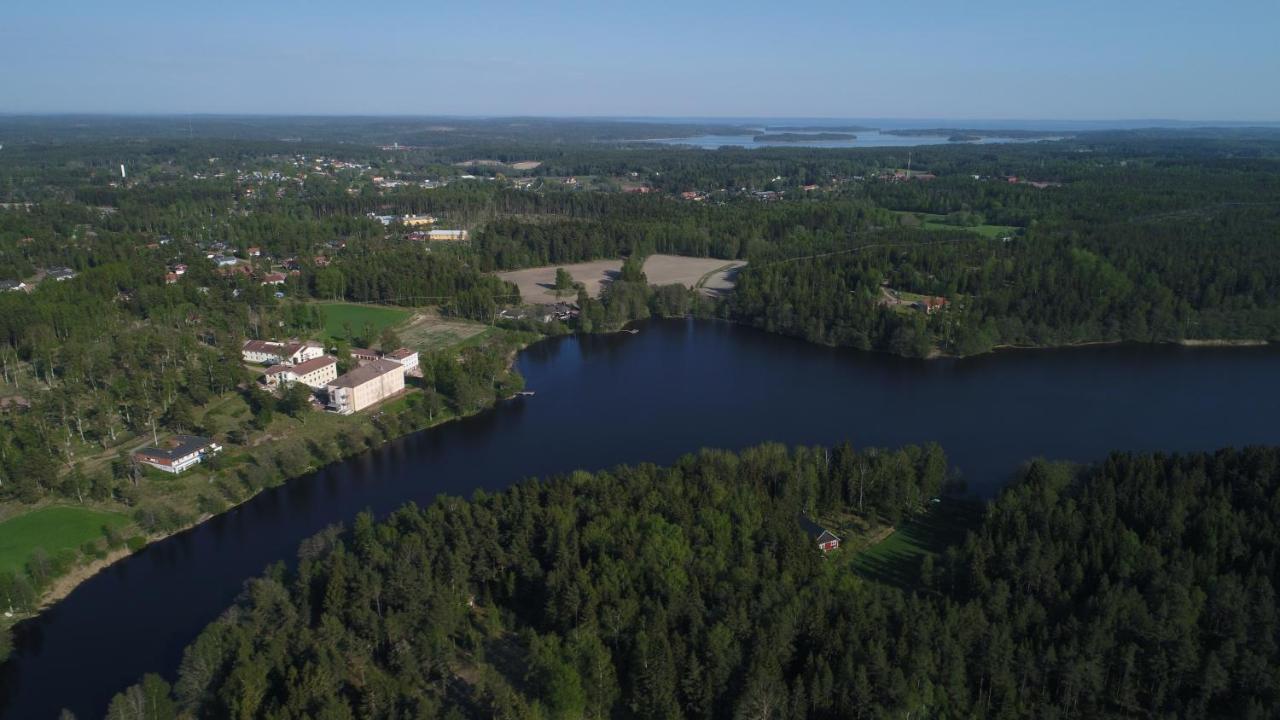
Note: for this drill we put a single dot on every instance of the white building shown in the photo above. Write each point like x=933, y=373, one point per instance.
x=315, y=373
x=278, y=353
x=178, y=453
x=408, y=359
x=447, y=235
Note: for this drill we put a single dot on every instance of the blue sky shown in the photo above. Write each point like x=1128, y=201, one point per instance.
x=919, y=58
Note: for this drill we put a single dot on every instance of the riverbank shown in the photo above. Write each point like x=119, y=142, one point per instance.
x=287, y=448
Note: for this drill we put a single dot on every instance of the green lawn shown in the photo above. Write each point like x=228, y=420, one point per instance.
x=896, y=559
x=51, y=528
x=933, y=221
x=339, y=316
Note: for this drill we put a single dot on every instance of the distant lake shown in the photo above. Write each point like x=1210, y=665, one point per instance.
x=865, y=139
x=677, y=386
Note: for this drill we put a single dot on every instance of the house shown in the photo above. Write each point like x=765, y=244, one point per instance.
x=274, y=278
x=364, y=355
x=417, y=220
x=178, y=453
x=225, y=261
x=13, y=286
x=407, y=358
x=460, y=235
x=179, y=269
x=170, y=278
x=61, y=274
x=254, y=252
x=822, y=537
x=365, y=386
x=277, y=353
x=315, y=373
x=933, y=303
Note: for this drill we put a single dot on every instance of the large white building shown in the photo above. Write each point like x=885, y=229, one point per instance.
x=367, y=385
x=278, y=353
x=315, y=373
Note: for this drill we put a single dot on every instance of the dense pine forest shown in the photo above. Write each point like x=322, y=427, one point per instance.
x=1143, y=586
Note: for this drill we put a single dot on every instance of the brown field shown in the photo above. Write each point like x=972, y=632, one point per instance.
x=715, y=276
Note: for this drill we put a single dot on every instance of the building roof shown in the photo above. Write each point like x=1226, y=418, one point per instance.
x=401, y=353
x=364, y=352
x=177, y=446
x=277, y=369
x=313, y=364
x=369, y=371
x=826, y=537
x=262, y=346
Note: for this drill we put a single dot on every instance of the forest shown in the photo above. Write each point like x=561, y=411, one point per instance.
x=1144, y=585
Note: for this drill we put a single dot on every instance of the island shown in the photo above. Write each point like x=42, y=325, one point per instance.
x=796, y=137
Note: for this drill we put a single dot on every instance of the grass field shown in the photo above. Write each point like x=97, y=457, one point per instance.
x=51, y=528
x=932, y=221
x=428, y=332
x=896, y=559
x=340, y=319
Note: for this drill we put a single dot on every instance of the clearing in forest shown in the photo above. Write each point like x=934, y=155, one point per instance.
x=537, y=285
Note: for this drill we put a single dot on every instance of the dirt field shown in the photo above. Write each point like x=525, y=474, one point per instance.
x=714, y=275
x=536, y=284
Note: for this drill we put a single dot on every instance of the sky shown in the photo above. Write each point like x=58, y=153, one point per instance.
x=947, y=59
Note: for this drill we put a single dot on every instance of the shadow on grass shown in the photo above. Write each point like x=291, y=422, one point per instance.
x=896, y=560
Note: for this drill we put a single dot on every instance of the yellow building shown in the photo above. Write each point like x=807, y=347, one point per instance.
x=367, y=385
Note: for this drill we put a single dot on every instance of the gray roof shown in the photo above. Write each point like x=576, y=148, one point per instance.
x=369, y=371
x=178, y=446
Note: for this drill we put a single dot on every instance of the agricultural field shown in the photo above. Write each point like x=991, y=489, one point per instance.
x=427, y=331
x=52, y=529
x=342, y=320
x=933, y=221
x=537, y=285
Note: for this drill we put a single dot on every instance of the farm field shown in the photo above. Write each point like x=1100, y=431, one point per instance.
x=341, y=320
x=53, y=529
x=427, y=331
x=932, y=221
x=537, y=284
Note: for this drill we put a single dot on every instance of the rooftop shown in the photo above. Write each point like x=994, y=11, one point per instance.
x=307, y=366
x=178, y=446
x=369, y=371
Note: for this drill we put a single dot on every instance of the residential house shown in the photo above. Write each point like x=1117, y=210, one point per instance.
x=178, y=453
x=827, y=541
x=61, y=274
x=417, y=220
x=365, y=386
x=13, y=286
x=274, y=278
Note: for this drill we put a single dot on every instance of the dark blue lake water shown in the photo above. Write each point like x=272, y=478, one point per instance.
x=673, y=388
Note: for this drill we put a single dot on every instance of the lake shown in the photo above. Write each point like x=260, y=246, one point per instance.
x=865, y=139
x=675, y=387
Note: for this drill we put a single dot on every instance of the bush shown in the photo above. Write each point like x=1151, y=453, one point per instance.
x=136, y=543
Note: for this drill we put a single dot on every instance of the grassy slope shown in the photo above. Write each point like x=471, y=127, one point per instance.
x=53, y=529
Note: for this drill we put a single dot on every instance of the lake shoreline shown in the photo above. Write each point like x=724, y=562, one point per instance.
x=65, y=584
